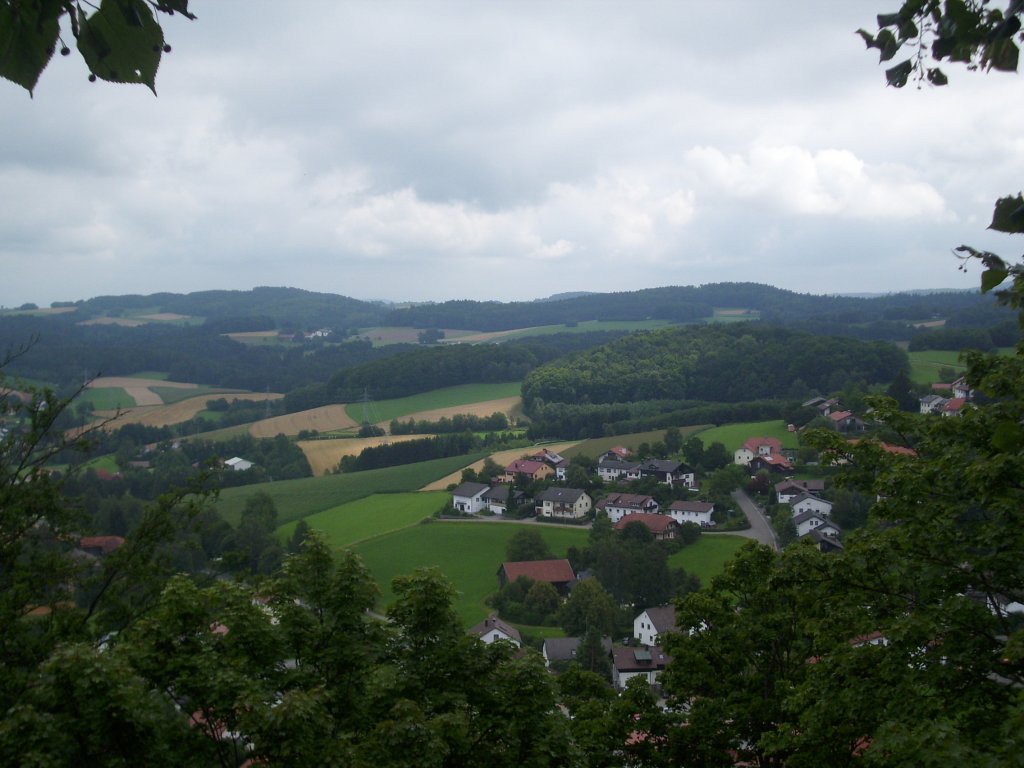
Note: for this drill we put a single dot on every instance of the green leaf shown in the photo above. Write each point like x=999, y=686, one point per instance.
x=175, y=6
x=888, y=19
x=1008, y=215
x=28, y=36
x=937, y=77
x=888, y=43
x=897, y=76
x=991, y=278
x=1008, y=436
x=869, y=39
x=122, y=42
x=1002, y=55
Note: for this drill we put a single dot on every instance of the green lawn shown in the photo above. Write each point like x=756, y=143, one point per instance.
x=924, y=365
x=106, y=398
x=587, y=326
x=464, y=394
x=376, y=515
x=295, y=499
x=732, y=436
x=174, y=394
x=467, y=553
x=708, y=556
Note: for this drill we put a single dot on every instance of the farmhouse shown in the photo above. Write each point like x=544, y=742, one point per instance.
x=618, y=505
x=698, y=512
x=571, y=503
x=654, y=622
x=558, y=573
x=662, y=527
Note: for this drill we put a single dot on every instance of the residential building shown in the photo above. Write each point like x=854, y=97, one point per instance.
x=662, y=527
x=558, y=573
x=653, y=623
x=618, y=505
x=631, y=661
x=698, y=512
x=570, y=503
x=468, y=498
x=492, y=629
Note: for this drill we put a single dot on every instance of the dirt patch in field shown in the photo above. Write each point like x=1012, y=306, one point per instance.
x=323, y=455
x=506, y=405
x=327, y=418
x=166, y=317
x=183, y=410
x=139, y=389
x=252, y=335
x=125, y=321
x=501, y=458
x=930, y=324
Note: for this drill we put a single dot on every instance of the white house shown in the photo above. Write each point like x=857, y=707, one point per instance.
x=932, y=403
x=572, y=503
x=468, y=498
x=698, y=512
x=610, y=469
x=787, y=490
x=808, y=522
x=498, y=498
x=808, y=502
x=630, y=661
x=618, y=505
x=654, y=622
x=492, y=629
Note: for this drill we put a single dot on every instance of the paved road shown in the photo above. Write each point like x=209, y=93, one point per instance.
x=760, y=528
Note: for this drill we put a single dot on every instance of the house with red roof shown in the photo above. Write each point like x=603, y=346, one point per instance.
x=531, y=469
x=98, y=546
x=662, y=527
x=762, y=453
x=558, y=573
x=845, y=421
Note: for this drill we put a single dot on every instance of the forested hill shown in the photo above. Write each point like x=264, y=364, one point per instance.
x=889, y=315
x=716, y=363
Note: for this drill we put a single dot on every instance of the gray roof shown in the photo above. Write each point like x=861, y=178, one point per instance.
x=469, y=490
x=565, y=495
x=564, y=648
x=663, y=617
x=662, y=465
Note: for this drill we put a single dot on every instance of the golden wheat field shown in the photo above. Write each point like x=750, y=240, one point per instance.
x=507, y=405
x=324, y=455
x=327, y=418
x=175, y=413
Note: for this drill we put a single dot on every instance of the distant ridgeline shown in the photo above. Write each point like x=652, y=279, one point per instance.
x=695, y=374
x=340, y=368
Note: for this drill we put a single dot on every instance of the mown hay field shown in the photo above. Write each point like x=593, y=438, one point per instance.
x=324, y=455
x=326, y=418
x=511, y=406
x=183, y=410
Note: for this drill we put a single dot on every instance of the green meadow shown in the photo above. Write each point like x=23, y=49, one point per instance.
x=295, y=499
x=106, y=398
x=587, y=326
x=925, y=365
x=707, y=558
x=464, y=394
x=174, y=394
x=377, y=515
x=732, y=436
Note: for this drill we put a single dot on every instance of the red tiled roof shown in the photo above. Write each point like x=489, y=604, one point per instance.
x=631, y=500
x=954, y=404
x=106, y=544
x=551, y=571
x=527, y=466
x=654, y=523
x=752, y=443
x=840, y=415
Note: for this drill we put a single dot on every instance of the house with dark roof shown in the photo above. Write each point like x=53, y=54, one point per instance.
x=668, y=471
x=789, y=489
x=468, y=498
x=662, y=527
x=654, y=622
x=492, y=629
x=498, y=498
x=562, y=650
x=618, y=505
x=566, y=503
x=632, y=661
x=808, y=522
x=775, y=463
x=932, y=403
x=808, y=502
x=558, y=573
x=845, y=421
x=698, y=512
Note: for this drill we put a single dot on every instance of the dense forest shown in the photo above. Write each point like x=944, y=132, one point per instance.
x=721, y=363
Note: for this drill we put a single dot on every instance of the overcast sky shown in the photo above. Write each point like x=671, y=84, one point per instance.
x=432, y=150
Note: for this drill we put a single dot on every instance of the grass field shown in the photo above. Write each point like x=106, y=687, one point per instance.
x=107, y=398
x=173, y=394
x=733, y=435
x=465, y=394
x=469, y=555
x=924, y=365
x=383, y=335
x=295, y=499
x=595, y=446
x=377, y=515
x=735, y=315
x=708, y=556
